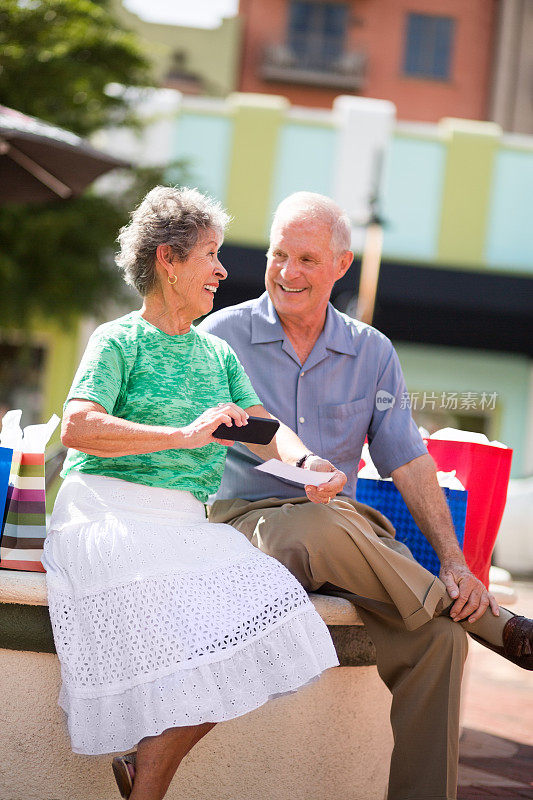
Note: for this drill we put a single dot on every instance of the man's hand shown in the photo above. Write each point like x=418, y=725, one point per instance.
x=417, y=482
x=473, y=599
x=325, y=491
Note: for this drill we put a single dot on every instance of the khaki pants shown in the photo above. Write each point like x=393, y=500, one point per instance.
x=348, y=549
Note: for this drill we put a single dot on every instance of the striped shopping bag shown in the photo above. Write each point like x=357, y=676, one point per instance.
x=24, y=524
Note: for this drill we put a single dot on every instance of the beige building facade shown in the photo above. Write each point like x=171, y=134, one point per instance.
x=512, y=90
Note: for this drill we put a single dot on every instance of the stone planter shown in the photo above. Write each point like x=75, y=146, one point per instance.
x=330, y=740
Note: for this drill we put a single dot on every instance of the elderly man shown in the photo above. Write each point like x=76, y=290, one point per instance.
x=319, y=372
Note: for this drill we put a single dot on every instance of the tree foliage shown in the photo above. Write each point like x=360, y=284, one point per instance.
x=57, y=259
x=54, y=259
x=56, y=58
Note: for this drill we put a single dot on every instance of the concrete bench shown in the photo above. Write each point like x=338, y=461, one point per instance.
x=331, y=739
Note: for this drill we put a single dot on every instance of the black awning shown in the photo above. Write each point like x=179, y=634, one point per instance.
x=429, y=305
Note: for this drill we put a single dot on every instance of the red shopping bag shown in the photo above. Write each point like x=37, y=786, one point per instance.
x=484, y=471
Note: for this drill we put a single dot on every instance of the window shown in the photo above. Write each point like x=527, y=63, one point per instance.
x=316, y=32
x=428, y=46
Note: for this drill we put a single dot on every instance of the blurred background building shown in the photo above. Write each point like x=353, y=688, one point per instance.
x=470, y=60
x=429, y=64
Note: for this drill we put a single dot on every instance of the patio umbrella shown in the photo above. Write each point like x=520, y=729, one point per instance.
x=40, y=162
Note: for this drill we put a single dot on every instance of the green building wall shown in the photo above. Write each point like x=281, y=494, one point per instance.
x=441, y=369
x=471, y=149
x=60, y=365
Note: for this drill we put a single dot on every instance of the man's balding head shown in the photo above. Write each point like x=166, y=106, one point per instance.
x=309, y=250
x=310, y=207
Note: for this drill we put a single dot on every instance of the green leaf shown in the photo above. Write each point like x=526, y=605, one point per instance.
x=56, y=59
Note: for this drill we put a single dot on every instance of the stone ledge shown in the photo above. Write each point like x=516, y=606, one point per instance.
x=29, y=588
x=23, y=588
x=25, y=622
x=335, y=610
x=26, y=627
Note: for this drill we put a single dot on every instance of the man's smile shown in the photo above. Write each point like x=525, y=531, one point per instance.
x=286, y=289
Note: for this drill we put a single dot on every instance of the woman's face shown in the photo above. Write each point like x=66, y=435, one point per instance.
x=199, y=275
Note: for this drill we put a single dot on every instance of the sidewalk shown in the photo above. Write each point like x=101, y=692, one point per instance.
x=496, y=750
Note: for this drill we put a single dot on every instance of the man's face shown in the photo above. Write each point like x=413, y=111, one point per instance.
x=302, y=268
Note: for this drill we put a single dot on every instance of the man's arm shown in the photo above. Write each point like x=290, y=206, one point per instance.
x=417, y=483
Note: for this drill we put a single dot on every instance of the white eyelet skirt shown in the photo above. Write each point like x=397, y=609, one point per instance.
x=162, y=619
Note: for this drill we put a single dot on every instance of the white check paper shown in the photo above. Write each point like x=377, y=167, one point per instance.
x=305, y=477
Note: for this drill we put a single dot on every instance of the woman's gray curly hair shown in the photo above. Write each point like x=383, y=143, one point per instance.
x=167, y=215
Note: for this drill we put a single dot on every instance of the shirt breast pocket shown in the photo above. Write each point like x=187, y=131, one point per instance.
x=343, y=428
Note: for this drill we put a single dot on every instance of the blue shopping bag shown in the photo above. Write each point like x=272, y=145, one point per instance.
x=6, y=456
x=385, y=497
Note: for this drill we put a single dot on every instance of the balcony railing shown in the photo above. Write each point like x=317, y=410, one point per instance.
x=345, y=71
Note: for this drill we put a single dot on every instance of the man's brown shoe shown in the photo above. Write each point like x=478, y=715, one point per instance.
x=517, y=642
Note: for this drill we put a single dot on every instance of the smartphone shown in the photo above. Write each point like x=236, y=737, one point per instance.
x=258, y=431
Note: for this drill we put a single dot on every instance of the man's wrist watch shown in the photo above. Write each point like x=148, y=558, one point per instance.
x=301, y=461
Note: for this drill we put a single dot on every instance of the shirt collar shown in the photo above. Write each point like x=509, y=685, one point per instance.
x=266, y=326
x=342, y=333
x=337, y=335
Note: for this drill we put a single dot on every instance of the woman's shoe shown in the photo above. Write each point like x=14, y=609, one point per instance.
x=124, y=772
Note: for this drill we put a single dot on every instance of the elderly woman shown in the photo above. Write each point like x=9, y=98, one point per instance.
x=165, y=624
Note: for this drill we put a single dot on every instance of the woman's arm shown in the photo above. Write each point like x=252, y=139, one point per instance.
x=89, y=428
x=289, y=448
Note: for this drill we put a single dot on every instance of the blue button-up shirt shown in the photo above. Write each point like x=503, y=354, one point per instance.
x=351, y=386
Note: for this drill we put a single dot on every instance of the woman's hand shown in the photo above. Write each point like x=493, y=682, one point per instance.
x=326, y=491
x=199, y=433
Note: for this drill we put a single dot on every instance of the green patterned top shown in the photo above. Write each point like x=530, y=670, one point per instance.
x=137, y=372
